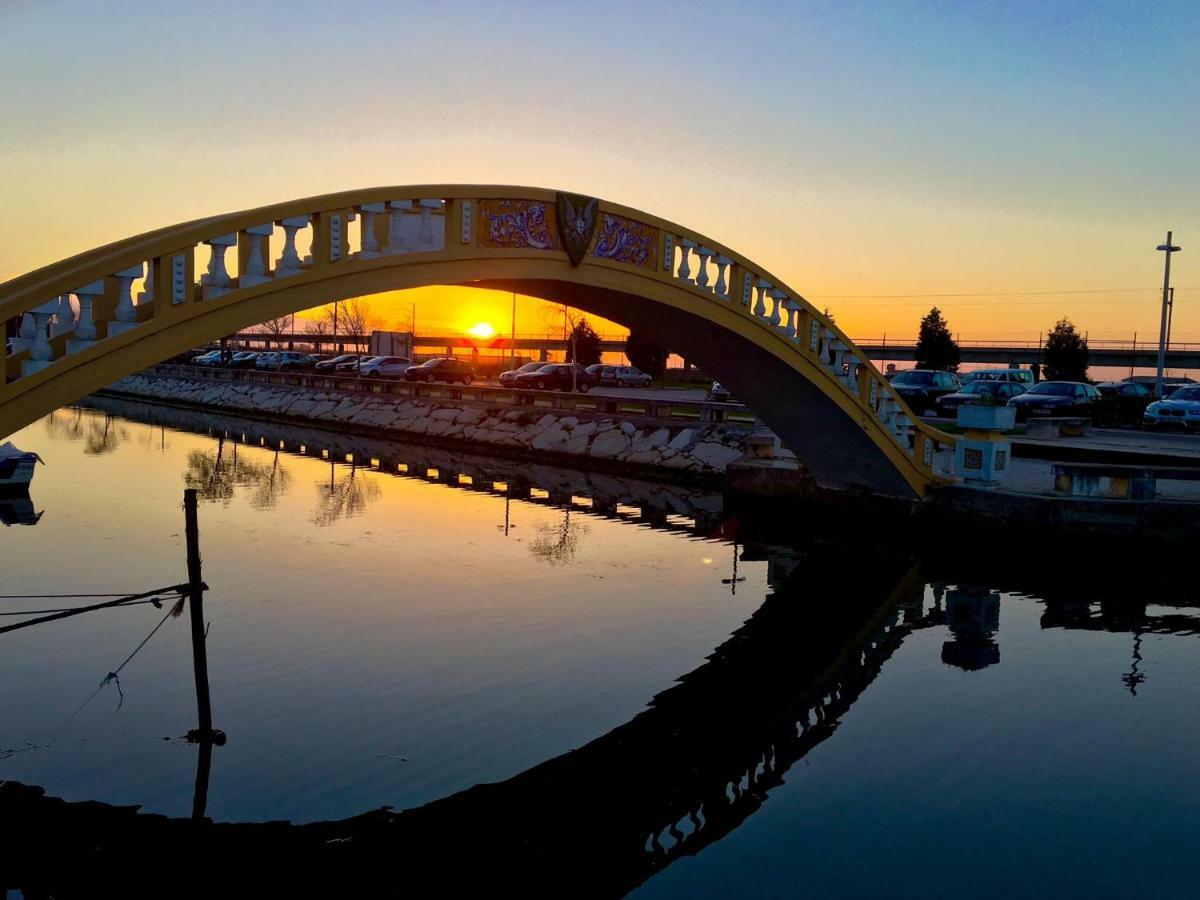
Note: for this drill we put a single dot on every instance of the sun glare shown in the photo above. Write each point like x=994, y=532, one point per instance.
x=481, y=330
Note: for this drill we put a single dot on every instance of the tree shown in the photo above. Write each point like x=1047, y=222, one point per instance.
x=355, y=319
x=646, y=353
x=583, y=344
x=277, y=328
x=1065, y=357
x=935, y=347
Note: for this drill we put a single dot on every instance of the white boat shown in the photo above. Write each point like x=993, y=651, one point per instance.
x=16, y=468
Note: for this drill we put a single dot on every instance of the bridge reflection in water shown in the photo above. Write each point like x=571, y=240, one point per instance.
x=599, y=820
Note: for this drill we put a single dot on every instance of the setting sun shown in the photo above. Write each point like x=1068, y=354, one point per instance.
x=481, y=330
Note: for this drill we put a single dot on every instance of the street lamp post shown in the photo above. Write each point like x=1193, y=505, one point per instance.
x=1168, y=248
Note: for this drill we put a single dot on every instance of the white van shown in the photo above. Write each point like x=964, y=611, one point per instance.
x=1020, y=376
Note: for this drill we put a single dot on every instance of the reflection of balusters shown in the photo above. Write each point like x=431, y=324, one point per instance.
x=255, y=271
x=705, y=255
x=685, y=251
x=369, y=243
x=289, y=259
x=722, y=286
x=215, y=281
x=395, y=242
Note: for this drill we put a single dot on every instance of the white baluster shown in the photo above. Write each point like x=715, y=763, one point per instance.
x=41, y=354
x=396, y=243
x=126, y=311
x=256, y=257
x=793, y=314
x=215, y=281
x=760, y=304
x=850, y=379
x=27, y=328
x=425, y=240
x=705, y=255
x=776, y=301
x=64, y=317
x=370, y=244
x=85, y=328
x=722, y=287
x=685, y=251
x=289, y=260
x=839, y=356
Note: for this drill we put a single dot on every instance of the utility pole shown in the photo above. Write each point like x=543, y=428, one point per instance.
x=512, y=346
x=1170, y=315
x=1168, y=248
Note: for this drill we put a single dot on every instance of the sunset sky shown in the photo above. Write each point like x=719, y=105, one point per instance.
x=1022, y=159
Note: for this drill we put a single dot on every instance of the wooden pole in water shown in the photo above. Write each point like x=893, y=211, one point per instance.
x=196, y=607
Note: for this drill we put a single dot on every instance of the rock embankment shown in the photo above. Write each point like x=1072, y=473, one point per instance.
x=684, y=449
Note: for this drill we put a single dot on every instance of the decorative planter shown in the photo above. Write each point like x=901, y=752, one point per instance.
x=986, y=418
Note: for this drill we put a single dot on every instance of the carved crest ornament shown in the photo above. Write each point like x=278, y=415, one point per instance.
x=576, y=224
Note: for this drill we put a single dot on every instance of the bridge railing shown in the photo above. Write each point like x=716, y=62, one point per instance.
x=74, y=312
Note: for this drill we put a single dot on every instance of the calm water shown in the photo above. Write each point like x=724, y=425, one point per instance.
x=386, y=638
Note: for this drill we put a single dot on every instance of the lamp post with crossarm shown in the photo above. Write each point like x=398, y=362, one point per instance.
x=1168, y=248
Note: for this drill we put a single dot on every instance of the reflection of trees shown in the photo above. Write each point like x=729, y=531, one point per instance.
x=216, y=477
x=66, y=423
x=556, y=544
x=272, y=483
x=343, y=497
x=103, y=437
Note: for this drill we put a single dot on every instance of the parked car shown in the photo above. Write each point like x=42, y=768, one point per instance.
x=976, y=391
x=442, y=368
x=386, y=366
x=265, y=360
x=1180, y=410
x=920, y=388
x=283, y=360
x=1125, y=401
x=718, y=393
x=1059, y=398
x=509, y=378
x=557, y=377
x=619, y=376
x=211, y=358
x=352, y=366
x=243, y=360
x=1020, y=376
x=329, y=365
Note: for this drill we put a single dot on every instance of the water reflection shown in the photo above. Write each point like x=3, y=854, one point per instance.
x=18, y=510
x=100, y=434
x=217, y=474
x=343, y=496
x=557, y=543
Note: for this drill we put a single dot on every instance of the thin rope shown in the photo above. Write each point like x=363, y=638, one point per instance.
x=55, y=596
x=34, y=612
x=179, y=589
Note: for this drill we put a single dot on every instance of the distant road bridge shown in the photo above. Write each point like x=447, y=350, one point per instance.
x=1117, y=354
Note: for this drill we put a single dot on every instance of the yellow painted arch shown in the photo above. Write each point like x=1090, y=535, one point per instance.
x=795, y=368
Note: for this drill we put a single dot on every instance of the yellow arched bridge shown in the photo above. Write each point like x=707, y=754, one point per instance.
x=98, y=316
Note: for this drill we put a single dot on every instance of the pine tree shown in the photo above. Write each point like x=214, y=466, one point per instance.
x=646, y=353
x=936, y=349
x=583, y=344
x=1065, y=357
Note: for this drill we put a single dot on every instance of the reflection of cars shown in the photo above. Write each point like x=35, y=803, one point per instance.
x=1180, y=410
x=329, y=365
x=718, y=392
x=243, y=360
x=557, y=377
x=920, y=388
x=442, y=368
x=1125, y=401
x=387, y=366
x=509, y=378
x=1021, y=376
x=975, y=391
x=619, y=376
x=211, y=358
x=1059, y=398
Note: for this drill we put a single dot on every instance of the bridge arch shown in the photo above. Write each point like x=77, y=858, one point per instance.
x=777, y=352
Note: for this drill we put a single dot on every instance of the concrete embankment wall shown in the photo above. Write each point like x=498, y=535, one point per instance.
x=675, y=450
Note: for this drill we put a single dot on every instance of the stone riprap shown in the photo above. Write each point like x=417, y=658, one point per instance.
x=701, y=450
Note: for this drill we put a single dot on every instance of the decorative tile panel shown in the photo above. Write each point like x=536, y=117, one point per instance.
x=516, y=224
x=626, y=241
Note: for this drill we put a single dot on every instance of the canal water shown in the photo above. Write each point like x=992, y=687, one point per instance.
x=392, y=625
